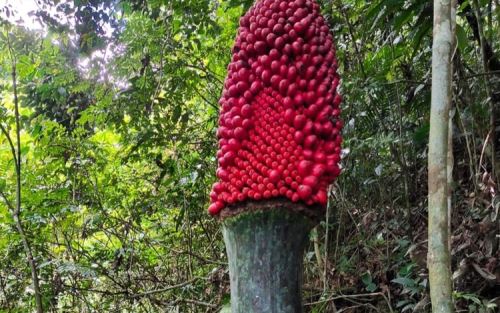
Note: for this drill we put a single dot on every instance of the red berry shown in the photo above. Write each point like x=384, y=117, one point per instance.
x=310, y=141
x=322, y=197
x=305, y=167
x=246, y=111
x=274, y=176
x=213, y=210
x=299, y=121
x=318, y=170
x=311, y=181
x=298, y=137
x=304, y=192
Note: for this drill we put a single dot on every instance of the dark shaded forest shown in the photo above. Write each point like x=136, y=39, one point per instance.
x=108, y=119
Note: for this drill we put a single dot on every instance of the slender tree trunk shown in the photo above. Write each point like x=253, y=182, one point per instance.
x=450, y=157
x=439, y=254
x=17, y=208
x=265, y=250
x=449, y=175
x=317, y=252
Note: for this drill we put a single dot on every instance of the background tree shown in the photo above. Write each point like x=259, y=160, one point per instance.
x=439, y=262
x=15, y=145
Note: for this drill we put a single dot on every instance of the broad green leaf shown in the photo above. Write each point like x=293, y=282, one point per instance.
x=462, y=40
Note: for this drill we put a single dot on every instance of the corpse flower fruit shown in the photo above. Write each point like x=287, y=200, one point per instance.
x=279, y=149
x=279, y=126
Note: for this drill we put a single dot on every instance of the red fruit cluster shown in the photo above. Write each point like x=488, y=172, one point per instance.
x=279, y=126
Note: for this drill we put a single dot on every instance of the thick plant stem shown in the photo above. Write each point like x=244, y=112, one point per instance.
x=439, y=254
x=265, y=251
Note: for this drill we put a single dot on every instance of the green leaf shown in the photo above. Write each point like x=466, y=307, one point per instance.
x=423, y=30
x=404, y=281
x=176, y=114
x=36, y=130
x=366, y=278
x=25, y=150
x=462, y=40
x=421, y=134
x=406, y=270
x=402, y=303
x=403, y=18
x=371, y=287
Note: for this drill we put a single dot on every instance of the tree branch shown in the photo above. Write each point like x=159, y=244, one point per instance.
x=17, y=208
x=9, y=204
x=151, y=292
x=11, y=144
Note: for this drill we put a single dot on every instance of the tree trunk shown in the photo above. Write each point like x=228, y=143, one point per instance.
x=17, y=210
x=265, y=249
x=439, y=254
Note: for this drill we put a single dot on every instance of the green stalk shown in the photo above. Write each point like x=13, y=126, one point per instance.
x=265, y=249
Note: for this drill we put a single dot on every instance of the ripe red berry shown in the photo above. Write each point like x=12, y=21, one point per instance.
x=304, y=192
x=311, y=181
x=305, y=167
x=274, y=176
x=299, y=121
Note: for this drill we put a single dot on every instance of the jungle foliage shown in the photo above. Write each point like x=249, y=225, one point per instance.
x=117, y=117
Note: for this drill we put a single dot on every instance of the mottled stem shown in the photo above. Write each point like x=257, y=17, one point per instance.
x=265, y=251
